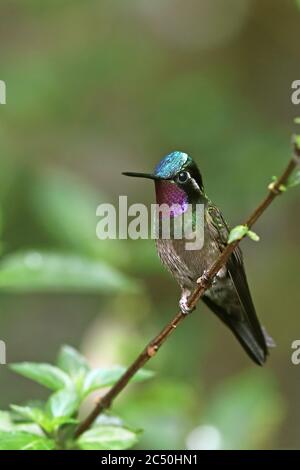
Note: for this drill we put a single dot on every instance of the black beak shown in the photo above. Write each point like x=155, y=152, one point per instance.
x=142, y=175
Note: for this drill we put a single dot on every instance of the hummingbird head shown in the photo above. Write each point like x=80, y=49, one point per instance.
x=177, y=180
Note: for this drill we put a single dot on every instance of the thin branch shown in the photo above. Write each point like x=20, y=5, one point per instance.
x=151, y=349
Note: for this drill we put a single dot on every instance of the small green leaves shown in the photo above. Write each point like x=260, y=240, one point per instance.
x=294, y=179
x=107, y=438
x=5, y=421
x=72, y=362
x=45, y=374
x=253, y=236
x=72, y=380
x=35, y=415
x=43, y=418
x=63, y=403
x=99, y=378
x=239, y=232
x=19, y=440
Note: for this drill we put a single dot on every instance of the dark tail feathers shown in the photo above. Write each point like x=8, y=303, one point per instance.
x=254, y=342
x=258, y=352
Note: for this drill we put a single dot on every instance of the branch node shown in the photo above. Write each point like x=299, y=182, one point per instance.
x=152, y=350
x=273, y=188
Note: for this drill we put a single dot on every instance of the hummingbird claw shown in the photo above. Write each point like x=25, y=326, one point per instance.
x=183, y=305
x=205, y=279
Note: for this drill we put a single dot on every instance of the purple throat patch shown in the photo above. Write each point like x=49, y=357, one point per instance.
x=169, y=193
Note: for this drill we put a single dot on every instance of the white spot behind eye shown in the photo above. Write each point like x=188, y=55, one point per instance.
x=195, y=184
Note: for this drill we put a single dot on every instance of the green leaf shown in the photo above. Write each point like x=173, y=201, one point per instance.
x=72, y=362
x=37, y=271
x=107, y=438
x=294, y=180
x=63, y=403
x=30, y=414
x=253, y=236
x=237, y=233
x=61, y=420
x=45, y=374
x=297, y=141
x=106, y=377
x=297, y=119
x=36, y=415
x=5, y=421
x=18, y=440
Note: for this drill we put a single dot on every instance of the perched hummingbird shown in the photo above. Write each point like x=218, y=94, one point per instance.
x=179, y=181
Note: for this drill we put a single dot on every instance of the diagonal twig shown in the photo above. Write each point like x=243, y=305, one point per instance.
x=153, y=346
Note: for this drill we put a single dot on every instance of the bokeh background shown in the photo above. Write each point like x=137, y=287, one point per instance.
x=99, y=87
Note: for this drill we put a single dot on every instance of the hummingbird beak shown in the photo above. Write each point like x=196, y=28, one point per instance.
x=142, y=175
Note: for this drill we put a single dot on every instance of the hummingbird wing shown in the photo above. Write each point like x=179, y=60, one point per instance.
x=239, y=313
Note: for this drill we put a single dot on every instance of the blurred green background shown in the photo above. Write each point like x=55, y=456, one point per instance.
x=98, y=87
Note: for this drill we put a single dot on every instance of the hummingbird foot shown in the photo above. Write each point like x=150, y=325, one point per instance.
x=183, y=303
x=205, y=280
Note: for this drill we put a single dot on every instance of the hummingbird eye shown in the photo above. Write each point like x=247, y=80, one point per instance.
x=183, y=177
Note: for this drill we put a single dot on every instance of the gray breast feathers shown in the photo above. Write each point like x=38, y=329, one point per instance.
x=185, y=265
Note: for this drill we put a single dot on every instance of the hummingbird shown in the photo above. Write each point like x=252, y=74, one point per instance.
x=178, y=181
